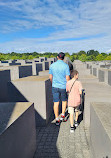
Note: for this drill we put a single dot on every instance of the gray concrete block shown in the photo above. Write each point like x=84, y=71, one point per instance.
x=23, y=62
x=91, y=69
x=105, y=75
x=4, y=61
x=105, y=66
x=25, y=71
x=101, y=75
x=12, y=64
x=95, y=92
x=14, y=71
x=44, y=73
x=95, y=71
x=109, y=77
x=34, y=89
x=4, y=78
x=4, y=64
x=17, y=72
x=43, y=66
x=42, y=59
x=17, y=130
x=46, y=65
x=36, y=67
x=52, y=60
x=100, y=130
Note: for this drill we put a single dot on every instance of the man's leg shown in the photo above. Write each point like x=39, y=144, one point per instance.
x=64, y=100
x=64, y=104
x=56, y=101
x=56, y=109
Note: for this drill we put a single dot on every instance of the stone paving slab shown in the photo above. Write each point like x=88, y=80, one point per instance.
x=57, y=142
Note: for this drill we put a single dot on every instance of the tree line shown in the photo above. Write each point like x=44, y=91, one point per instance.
x=91, y=55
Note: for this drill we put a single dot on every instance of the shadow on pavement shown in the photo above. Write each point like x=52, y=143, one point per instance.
x=46, y=141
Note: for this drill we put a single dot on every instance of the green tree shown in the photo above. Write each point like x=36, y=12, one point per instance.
x=67, y=54
x=108, y=57
x=72, y=58
x=75, y=57
x=2, y=57
x=90, y=58
x=82, y=57
x=100, y=57
x=92, y=52
x=104, y=54
x=81, y=52
x=30, y=57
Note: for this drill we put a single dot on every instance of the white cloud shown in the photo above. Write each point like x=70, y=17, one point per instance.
x=88, y=18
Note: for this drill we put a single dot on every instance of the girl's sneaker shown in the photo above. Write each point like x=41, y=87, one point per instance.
x=72, y=129
x=76, y=124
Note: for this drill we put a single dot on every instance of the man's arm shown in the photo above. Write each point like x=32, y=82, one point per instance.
x=50, y=77
x=67, y=78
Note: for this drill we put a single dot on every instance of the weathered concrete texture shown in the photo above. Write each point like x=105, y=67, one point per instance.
x=25, y=71
x=95, y=71
x=91, y=69
x=17, y=130
x=9, y=64
x=14, y=71
x=23, y=62
x=34, y=89
x=4, y=78
x=101, y=76
x=17, y=72
x=46, y=65
x=36, y=67
x=109, y=77
x=95, y=92
x=44, y=73
x=100, y=130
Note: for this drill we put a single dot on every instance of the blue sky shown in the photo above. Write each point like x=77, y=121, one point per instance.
x=53, y=25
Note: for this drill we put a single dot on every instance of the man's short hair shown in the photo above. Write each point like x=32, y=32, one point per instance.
x=61, y=55
x=73, y=73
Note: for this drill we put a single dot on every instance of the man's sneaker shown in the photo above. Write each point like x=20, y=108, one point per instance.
x=76, y=124
x=57, y=122
x=72, y=129
x=62, y=118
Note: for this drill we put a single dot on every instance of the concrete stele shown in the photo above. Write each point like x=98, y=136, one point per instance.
x=35, y=89
x=17, y=130
x=100, y=129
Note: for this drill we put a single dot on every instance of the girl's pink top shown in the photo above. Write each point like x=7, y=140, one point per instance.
x=74, y=95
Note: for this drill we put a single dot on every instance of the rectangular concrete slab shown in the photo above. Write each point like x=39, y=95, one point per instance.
x=4, y=78
x=100, y=130
x=44, y=73
x=35, y=89
x=109, y=77
x=17, y=130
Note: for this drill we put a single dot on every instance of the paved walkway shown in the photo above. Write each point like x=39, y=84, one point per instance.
x=58, y=142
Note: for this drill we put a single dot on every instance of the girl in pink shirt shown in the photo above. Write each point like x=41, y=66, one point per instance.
x=74, y=87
